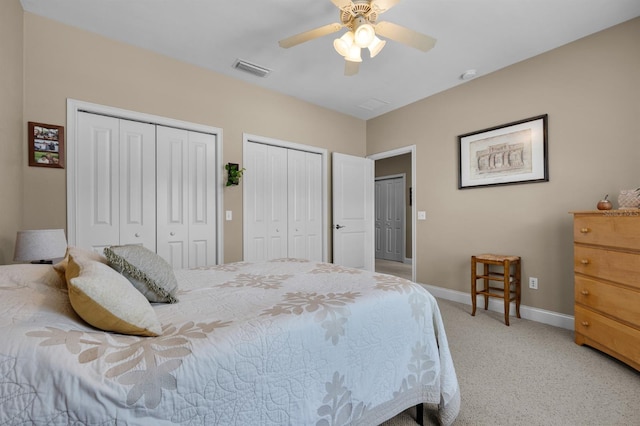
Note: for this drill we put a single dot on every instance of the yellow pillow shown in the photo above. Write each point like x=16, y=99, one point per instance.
x=77, y=252
x=107, y=300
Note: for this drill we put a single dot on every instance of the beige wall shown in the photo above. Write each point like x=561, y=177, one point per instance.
x=11, y=128
x=63, y=62
x=591, y=92
x=589, y=89
x=393, y=166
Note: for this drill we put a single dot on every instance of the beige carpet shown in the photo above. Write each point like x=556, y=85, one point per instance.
x=531, y=374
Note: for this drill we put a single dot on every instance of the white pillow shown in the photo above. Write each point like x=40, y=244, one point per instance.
x=107, y=300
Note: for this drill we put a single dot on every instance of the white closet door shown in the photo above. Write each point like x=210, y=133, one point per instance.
x=305, y=205
x=266, y=184
x=137, y=171
x=186, y=189
x=98, y=205
x=172, y=168
x=202, y=200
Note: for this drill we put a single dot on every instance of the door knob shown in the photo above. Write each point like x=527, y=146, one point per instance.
x=137, y=235
x=172, y=233
x=340, y=226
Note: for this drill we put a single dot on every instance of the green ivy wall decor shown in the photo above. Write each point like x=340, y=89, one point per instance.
x=234, y=173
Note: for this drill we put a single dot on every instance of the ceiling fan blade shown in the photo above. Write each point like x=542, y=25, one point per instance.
x=381, y=6
x=309, y=35
x=351, y=68
x=405, y=36
x=342, y=4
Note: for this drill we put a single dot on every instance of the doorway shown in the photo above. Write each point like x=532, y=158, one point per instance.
x=393, y=164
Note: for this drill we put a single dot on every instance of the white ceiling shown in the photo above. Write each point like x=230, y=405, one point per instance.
x=485, y=35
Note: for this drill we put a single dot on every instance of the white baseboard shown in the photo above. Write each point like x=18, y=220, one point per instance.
x=534, y=314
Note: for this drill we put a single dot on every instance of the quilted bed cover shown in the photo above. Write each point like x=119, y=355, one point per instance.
x=286, y=342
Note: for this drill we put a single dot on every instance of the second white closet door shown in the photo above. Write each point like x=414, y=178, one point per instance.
x=266, y=185
x=304, y=205
x=186, y=211
x=283, y=203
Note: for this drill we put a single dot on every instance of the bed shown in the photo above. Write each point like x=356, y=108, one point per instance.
x=284, y=342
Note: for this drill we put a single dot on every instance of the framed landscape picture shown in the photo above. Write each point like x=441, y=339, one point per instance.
x=46, y=145
x=507, y=154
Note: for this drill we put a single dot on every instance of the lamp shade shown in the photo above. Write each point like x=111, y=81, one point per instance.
x=344, y=43
x=376, y=46
x=40, y=245
x=363, y=32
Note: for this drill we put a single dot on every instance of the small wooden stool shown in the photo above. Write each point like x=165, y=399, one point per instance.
x=508, y=279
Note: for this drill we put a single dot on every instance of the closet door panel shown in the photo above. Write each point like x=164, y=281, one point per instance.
x=172, y=168
x=305, y=205
x=255, y=186
x=266, y=186
x=276, y=197
x=202, y=201
x=137, y=184
x=97, y=214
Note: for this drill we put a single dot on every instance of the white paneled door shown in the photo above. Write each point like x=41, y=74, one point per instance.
x=283, y=203
x=115, y=182
x=142, y=183
x=353, y=211
x=186, y=210
x=304, y=205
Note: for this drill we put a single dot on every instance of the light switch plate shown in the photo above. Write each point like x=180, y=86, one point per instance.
x=229, y=215
x=422, y=215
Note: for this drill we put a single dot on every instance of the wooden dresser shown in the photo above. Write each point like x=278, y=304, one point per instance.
x=606, y=264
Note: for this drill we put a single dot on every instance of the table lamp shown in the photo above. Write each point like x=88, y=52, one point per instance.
x=40, y=246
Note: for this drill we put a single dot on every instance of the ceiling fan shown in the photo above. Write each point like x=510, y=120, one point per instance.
x=361, y=18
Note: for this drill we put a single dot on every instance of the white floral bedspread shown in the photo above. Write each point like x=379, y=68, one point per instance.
x=286, y=342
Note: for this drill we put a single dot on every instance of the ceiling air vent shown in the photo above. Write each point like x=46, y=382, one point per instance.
x=254, y=69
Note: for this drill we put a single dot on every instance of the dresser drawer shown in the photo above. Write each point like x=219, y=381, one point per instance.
x=618, y=228
x=610, y=265
x=612, y=300
x=613, y=336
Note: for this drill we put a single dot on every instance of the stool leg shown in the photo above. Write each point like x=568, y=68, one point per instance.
x=486, y=286
x=518, y=288
x=507, y=292
x=473, y=285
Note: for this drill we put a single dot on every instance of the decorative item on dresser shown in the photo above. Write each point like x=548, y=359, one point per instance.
x=607, y=282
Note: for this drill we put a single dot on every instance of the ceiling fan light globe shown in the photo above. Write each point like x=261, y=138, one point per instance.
x=376, y=46
x=343, y=43
x=354, y=54
x=364, y=35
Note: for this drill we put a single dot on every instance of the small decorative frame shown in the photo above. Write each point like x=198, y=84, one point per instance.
x=46, y=145
x=507, y=154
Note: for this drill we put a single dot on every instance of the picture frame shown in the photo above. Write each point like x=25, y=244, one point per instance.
x=507, y=154
x=46, y=145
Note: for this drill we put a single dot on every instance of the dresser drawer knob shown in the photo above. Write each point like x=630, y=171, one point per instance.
x=585, y=323
x=584, y=230
x=585, y=292
x=585, y=261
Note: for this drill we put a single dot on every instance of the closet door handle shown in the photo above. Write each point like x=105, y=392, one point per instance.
x=340, y=226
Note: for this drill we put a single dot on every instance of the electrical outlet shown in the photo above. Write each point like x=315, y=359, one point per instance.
x=533, y=283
